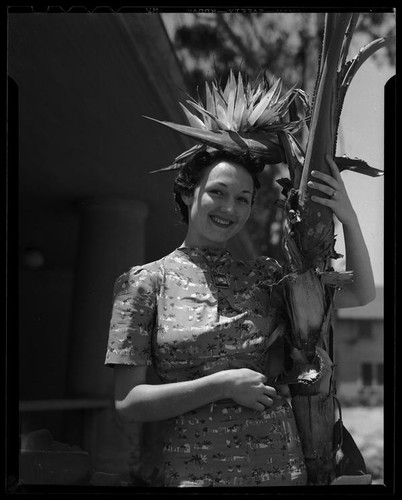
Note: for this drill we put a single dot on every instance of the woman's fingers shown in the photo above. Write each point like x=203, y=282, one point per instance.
x=270, y=391
x=266, y=401
x=332, y=186
x=334, y=167
x=259, y=406
x=268, y=396
x=332, y=180
x=252, y=391
x=328, y=179
x=322, y=201
x=322, y=187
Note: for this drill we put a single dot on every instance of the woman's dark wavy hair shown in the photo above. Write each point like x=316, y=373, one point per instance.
x=191, y=173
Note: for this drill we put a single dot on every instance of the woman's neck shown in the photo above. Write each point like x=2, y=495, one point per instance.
x=213, y=246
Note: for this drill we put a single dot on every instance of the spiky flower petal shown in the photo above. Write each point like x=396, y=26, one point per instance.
x=255, y=113
x=240, y=109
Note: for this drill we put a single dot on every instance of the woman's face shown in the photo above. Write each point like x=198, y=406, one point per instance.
x=220, y=205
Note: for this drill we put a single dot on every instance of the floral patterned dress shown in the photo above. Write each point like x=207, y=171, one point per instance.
x=195, y=312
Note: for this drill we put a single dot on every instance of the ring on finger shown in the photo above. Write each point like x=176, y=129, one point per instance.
x=333, y=195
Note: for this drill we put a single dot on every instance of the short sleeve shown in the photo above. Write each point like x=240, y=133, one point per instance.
x=133, y=318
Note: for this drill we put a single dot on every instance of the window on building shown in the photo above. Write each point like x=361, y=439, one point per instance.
x=364, y=328
x=367, y=373
x=372, y=373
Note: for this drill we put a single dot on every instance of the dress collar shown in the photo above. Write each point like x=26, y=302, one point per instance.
x=209, y=253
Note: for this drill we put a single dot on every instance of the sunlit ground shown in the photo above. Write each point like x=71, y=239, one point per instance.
x=366, y=425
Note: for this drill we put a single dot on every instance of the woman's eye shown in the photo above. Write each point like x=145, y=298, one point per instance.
x=244, y=200
x=216, y=191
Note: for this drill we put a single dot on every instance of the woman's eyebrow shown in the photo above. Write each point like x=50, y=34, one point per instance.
x=225, y=185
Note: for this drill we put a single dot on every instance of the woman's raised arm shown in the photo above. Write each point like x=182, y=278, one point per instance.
x=362, y=290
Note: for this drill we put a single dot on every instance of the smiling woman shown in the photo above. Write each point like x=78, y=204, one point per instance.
x=190, y=173
x=210, y=326
x=220, y=205
x=214, y=328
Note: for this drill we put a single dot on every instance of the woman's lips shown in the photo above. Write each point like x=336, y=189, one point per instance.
x=221, y=222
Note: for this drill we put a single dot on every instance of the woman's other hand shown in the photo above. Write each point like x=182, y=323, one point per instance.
x=337, y=198
x=247, y=388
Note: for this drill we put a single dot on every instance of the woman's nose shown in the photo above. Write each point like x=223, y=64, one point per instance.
x=228, y=206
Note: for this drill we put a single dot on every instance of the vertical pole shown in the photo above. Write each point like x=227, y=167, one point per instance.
x=111, y=240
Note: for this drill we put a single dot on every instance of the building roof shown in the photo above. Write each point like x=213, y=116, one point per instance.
x=85, y=82
x=374, y=310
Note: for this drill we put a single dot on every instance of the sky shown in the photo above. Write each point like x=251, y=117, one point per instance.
x=361, y=134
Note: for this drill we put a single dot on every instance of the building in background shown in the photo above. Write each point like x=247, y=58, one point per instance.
x=359, y=353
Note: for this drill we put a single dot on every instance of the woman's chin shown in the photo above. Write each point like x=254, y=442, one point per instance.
x=221, y=239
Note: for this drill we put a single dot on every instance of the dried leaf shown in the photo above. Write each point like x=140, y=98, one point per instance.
x=357, y=165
